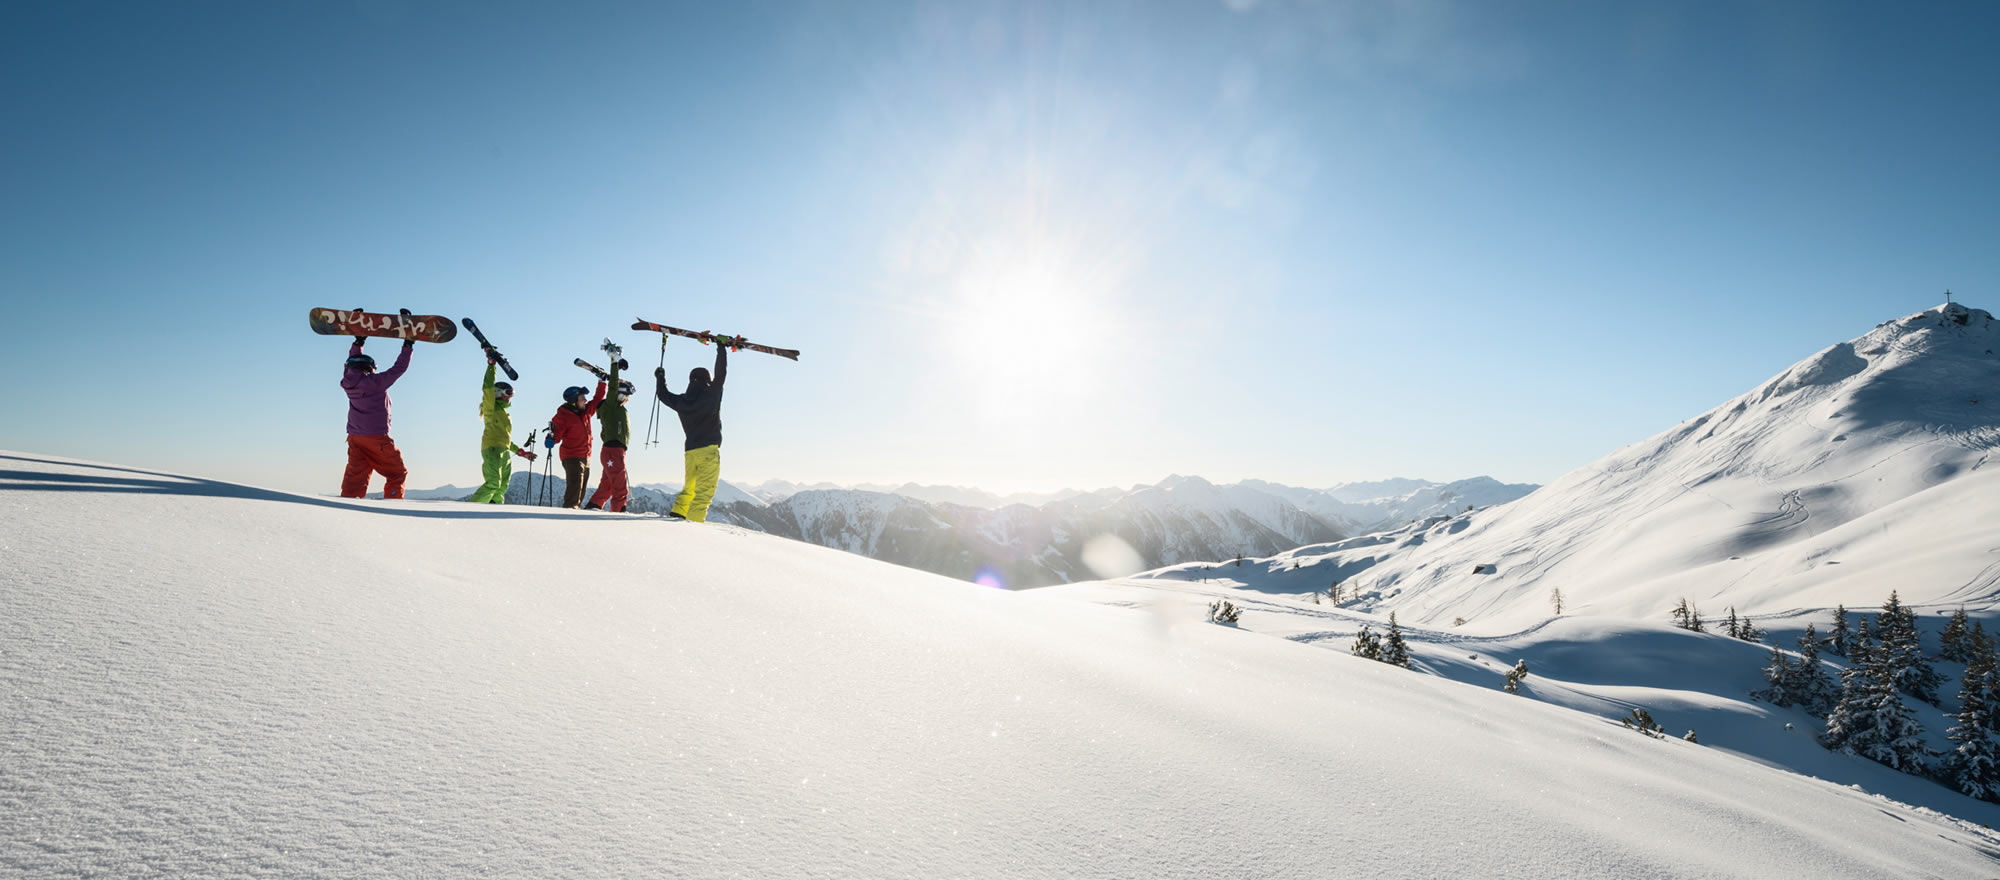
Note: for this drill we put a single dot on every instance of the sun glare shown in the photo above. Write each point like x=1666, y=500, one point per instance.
x=1031, y=328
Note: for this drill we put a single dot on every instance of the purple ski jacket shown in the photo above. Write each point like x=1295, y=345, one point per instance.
x=368, y=394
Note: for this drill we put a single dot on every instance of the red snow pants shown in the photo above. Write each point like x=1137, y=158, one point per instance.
x=368, y=455
x=612, y=492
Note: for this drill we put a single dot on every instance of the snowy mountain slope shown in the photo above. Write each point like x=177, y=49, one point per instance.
x=1388, y=504
x=1596, y=665
x=200, y=679
x=1861, y=467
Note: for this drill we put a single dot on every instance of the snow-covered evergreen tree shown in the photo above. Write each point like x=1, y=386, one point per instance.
x=1514, y=677
x=1783, y=678
x=1394, y=651
x=1902, y=651
x=1973, y=764
x=1815, y=691
x=1872, y=720
x=1367, y=644
x=1840, y=633
x=1952, y=642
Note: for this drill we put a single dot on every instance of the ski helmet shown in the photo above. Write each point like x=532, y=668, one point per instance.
x=361, y=362
x=626, y=389
x=503, y=388
x=574, y=393
x=698, y=376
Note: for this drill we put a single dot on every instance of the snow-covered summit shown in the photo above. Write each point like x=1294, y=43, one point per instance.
x=1861, y=468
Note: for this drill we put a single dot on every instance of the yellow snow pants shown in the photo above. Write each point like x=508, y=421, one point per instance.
x=704, y=468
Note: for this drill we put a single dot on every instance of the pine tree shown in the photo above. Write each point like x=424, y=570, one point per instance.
x=1556, y=599
x=1872, y=720
x=1514, y=677
x=1367, y=644
x=1815, y=692
x=1730, y=627
x=1749, y=632
x=1783, y=678
x=1973, y=764
x=1687, y=617
x=1980, y=644
x=1902, y=651
x=1839, y=634
x=1851, y=711
x=1952, y=642
x=1395, y=652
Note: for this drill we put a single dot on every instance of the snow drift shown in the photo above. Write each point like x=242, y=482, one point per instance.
x=200, y=679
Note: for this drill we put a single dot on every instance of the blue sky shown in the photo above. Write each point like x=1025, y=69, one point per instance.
x=1022, y=245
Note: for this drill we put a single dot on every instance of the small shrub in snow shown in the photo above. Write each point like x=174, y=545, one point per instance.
x=1367, y=644
x=1642, y=721
x=1223, y=611
x=1514, y=677
x=1691, y=737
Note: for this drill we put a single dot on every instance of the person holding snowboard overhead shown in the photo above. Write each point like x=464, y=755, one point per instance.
x=571, y=428
x=700, y=409
x=369, y=449
x=615, y=429
x=495, y=443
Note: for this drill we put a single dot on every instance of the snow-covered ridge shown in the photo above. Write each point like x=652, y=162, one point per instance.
x=200, y=679
x=1863, y=467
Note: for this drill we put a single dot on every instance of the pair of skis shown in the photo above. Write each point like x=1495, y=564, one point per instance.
x=735, y=343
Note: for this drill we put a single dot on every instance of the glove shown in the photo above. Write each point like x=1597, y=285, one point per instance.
x=660, y=372
x=549, y=441
x=409, y=343
x=492, y=358
x=528, y=454
x=623, y=366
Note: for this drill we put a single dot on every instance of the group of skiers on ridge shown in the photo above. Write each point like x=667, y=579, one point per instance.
x=370, y=451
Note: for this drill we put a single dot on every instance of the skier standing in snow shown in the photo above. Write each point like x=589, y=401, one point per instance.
x=571, y=428
x=369, y=449
x=613, y=492
x=700, y=409
x=495, y=443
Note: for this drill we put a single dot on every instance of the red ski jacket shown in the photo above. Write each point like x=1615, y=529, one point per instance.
x=572, y=426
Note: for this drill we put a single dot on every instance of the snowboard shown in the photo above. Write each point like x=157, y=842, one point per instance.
x=504, y=366
x=423, y=328
x=735, y=343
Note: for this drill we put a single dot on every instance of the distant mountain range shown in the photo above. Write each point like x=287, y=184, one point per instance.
x=1008, y=541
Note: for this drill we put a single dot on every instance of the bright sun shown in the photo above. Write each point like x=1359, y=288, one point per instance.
x=1031, y=327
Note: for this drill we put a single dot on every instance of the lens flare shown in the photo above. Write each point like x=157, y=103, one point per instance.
x=1108, y=556
x=989, y=576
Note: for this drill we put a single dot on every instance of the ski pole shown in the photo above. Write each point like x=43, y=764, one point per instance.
x=653, y=427
x=530, y=446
